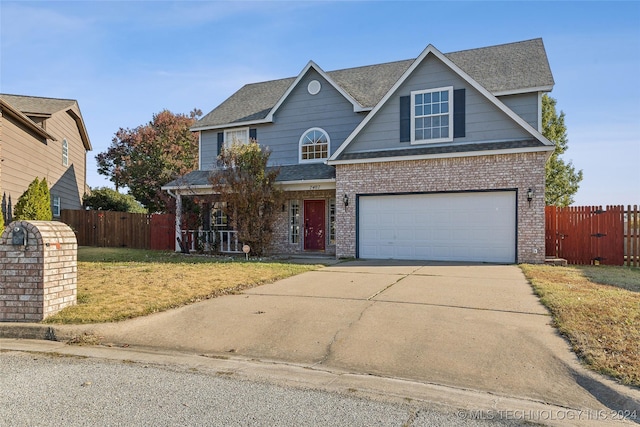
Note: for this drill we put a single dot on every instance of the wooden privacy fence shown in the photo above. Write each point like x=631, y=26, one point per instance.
x=592, y=235
x=121, y=229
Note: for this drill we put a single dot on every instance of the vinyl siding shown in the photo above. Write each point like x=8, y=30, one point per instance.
x=328, y=110
x=525, y=105
x=208, y=149
x=484, y=121
x=26, y=157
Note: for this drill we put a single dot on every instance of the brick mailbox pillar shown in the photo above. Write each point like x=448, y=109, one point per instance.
x=38, y=270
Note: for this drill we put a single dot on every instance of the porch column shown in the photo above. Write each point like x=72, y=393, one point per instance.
x=178, y=220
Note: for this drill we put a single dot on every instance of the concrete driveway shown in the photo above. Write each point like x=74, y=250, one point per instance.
x=468, y=326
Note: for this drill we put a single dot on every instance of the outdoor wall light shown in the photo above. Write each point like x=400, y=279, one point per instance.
x=529, y=196
x=345, y=200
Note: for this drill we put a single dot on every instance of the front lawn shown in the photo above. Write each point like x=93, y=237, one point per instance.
x=117, y=284
x=597, y=308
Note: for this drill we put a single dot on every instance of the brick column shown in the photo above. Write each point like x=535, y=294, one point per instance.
x=39, y=278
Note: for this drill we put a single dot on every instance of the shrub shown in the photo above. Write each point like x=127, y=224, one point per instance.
x=35, y=203
x=107, y=199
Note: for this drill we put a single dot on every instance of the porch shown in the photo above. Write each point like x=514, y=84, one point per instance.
x=305, y=224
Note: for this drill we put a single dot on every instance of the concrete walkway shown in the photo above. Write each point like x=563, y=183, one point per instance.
x=472, y=327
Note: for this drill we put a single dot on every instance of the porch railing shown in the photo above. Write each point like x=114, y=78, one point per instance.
x=226, y=241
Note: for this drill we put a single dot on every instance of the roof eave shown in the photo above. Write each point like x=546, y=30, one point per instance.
x=84, y=135
x=535, y=89
x=443, y=155
x=229, y=125
x=31, y=125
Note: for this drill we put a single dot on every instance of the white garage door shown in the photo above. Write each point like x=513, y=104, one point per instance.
x=478, y=226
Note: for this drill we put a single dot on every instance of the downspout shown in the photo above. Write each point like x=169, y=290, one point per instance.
x=178, y=236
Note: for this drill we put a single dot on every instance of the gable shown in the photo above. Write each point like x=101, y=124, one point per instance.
x=37, y=112
x=492, y=121
x=328, y=110
x=298, y=112
x=483, y=121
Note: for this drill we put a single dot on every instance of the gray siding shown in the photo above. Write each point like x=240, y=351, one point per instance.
x=484, y=121
x=328, y=110
x=525, y=105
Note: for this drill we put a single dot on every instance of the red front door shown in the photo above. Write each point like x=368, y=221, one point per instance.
x=314, y=225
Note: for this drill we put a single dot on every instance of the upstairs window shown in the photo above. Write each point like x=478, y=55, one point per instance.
x=432, y=115
x=237, y=136
x=314, y=146
x=65, y=153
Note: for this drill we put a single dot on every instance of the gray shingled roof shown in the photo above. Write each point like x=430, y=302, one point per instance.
x=304, y=172
x=37, y=105
x=508, y=67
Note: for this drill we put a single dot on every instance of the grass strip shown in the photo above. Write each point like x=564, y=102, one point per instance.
x=597, y=308
x=119, y=284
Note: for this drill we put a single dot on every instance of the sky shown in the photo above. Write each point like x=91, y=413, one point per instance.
x=124, y=61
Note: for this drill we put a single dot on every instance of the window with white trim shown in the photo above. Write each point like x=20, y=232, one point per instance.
x=56, y=206
x=238, y=136
x=314, y=146
x=219, y=219
x=294, y=221
x=65, y=153
x=432, y=115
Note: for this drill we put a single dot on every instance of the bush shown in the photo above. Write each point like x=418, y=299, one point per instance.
x=1, y=222
x=107, y=199
x=35, y=203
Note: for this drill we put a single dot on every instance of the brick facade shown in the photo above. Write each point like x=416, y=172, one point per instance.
x=280, y=243
x=40, y=278
x=519, y=171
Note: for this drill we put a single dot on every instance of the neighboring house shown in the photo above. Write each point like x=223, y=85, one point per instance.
x=44, y=138
x=435, y=158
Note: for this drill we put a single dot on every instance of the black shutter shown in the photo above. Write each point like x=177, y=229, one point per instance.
x=459, y=108
x=220, y=142
x=253, y=134
x=405, y=118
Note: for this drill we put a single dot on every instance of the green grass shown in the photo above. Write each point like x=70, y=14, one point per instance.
x=116, y=284
x=597, y=308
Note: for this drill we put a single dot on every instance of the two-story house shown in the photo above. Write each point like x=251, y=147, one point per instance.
x=440, y=157
x=44, y=138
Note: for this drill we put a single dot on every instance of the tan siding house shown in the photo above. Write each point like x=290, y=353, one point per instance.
x=44, y=138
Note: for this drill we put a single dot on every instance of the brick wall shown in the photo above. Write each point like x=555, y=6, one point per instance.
x=521, y=171
x=280, y=243
x=40, y=278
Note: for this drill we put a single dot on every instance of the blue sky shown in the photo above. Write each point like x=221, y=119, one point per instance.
x=124, y=61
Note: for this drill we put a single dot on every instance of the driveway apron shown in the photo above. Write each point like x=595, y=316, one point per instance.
x=469, y=326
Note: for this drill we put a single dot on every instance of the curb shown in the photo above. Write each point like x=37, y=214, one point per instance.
x=36, y=331
x=617, y=397
x=464, y=402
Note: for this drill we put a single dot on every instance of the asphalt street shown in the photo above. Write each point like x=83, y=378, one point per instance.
x=53, y=390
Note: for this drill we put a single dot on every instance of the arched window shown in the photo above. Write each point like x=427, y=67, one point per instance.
x=314, y=145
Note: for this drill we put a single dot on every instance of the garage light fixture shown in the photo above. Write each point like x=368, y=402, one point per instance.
x=529, y=196
x=345, y=200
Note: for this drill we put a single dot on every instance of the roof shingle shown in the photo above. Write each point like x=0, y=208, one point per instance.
x=503, y=68
x=37, y=105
